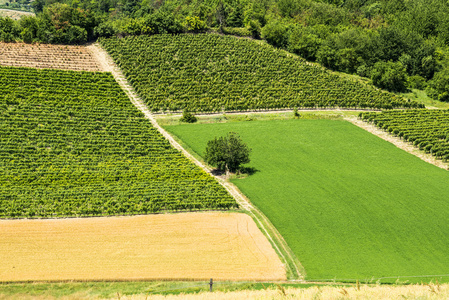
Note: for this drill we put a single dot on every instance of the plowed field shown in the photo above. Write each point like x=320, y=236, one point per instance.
x=77, y=58
x=223, y=246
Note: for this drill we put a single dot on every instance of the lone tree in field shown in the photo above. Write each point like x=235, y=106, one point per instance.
x=227, y=153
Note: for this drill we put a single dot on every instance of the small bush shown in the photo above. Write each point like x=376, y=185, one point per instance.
x=188, y=117
x=296, y=114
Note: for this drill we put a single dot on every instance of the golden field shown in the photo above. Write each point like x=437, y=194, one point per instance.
x=416, y=292
x=223, y=246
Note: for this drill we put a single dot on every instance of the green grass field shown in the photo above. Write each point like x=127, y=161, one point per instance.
x=350, y=205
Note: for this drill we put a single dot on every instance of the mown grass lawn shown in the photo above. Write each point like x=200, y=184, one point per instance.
x=350, y=205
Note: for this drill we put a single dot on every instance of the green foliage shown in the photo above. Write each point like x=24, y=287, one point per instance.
x=438, y=87
x=304, y=42
x=188, y=117
x=275, y=33
x=9, y=31
x=195, y=24
x=72, y=144
x=423, y=127
x=296, y=114
x=254, y=28
x=244, y=32
x=210, y=72
x=416, y=82
x=343, y=199
x=390, y=76
x=227, y=153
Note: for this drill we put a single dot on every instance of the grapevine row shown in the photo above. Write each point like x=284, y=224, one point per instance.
x=426, y=129
x=72, y=144
x=209, y=72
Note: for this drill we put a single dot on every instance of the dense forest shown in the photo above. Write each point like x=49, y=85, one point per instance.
x=398, y=44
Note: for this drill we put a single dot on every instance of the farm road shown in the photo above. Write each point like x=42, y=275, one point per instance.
x=281, y=247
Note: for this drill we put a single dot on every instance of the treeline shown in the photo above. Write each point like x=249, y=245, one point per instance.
x=398, y=44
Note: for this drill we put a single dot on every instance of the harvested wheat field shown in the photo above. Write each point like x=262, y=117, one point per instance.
x=417, y=292
x=43, y=56
x=223, y=246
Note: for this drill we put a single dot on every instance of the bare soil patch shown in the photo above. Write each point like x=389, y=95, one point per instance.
x=223, y=246
x=43, y=56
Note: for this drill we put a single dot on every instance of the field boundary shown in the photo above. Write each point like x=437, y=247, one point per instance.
x=401, y=144
x=280, y=246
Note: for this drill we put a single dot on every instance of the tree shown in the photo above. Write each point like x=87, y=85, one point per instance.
x=275, y=33
x=438, y=87
x=227, y=153
x=390, y=76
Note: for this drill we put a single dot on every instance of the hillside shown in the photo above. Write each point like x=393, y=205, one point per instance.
x=210, y=72
x=72, y=144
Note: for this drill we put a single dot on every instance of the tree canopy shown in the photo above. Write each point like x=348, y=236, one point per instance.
x=227, y=153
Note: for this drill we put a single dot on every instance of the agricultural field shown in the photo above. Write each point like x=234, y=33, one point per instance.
x=222, y=290
x=210, y=72
x=14, y=14
x=72, y=144
x=349, y=204
x=77, y=58
x=426, y=129
x=223, y=246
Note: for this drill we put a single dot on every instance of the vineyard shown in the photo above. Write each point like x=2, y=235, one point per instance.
x=77, y=58
x=426, y=129
x=209, y=72
x=73, y=145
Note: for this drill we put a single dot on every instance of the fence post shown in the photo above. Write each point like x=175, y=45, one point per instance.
x=211, y=283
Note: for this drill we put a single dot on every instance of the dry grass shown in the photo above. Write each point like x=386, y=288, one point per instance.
x=14, y=14
x=363, y=292
x=78, y=58
x=223, y=246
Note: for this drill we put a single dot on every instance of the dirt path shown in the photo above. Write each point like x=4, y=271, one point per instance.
x=264, y=224
x=401, y=144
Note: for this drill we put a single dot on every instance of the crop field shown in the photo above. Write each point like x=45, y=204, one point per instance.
x=426, y=129
x=349, y=204
x=210, y=72
x=72, y=144
x=77, y=58
x=13, y=14
x=223, y=246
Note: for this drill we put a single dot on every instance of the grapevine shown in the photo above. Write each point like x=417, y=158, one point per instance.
x=72, y=144
x=210, y=72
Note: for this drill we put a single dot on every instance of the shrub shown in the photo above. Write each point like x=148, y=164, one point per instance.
x=389, y=75
x=188, y=117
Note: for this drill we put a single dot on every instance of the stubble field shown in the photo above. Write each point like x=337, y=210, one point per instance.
x=223, y=246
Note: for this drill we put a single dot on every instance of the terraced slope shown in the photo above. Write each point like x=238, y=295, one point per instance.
x=210, y=72
x=72, y=144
